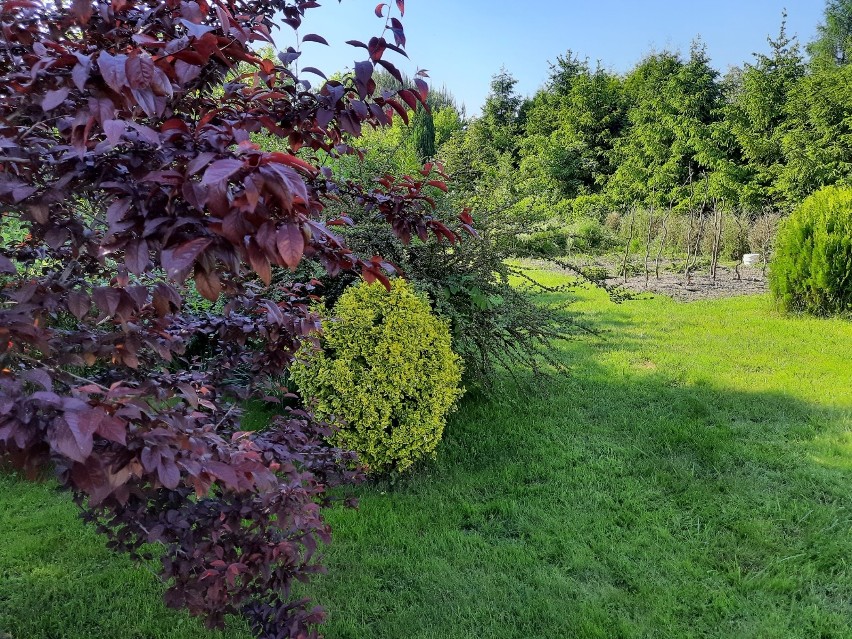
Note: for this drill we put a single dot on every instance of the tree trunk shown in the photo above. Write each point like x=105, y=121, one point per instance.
x=648, y=244
x=629, y=241
x=717, y=240
x=663, y=240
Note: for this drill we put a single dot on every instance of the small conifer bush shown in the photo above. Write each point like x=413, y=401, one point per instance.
x=387, y=371
x=812, y=267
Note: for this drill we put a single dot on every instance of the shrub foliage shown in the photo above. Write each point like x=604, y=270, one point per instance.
x=127, y=167
x=812, y=268
x=387, y=369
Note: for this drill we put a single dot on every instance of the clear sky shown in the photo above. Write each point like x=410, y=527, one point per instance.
x=464, y=42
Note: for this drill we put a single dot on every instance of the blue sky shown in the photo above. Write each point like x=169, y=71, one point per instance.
x=464, y=42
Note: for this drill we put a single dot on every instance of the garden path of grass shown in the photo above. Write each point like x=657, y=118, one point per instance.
x=692, y=477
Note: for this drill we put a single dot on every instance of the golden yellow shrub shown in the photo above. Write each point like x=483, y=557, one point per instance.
x=387, y=371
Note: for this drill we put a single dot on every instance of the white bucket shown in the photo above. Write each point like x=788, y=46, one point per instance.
x=750, y=259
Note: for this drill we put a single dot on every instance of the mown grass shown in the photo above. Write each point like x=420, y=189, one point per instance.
x=58, y=580
x=689, y=478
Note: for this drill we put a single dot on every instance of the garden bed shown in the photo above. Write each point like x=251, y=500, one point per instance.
x=730, y=280
x=751, y=280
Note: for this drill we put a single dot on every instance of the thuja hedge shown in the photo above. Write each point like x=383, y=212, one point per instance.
x=812, y=267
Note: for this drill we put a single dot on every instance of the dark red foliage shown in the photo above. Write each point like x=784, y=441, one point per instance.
x=128, y=163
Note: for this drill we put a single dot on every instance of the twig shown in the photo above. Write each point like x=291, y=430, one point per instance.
x=664, y=238
x=648, y=244
x=34, y=361
x=629, y=241
x=225, y=416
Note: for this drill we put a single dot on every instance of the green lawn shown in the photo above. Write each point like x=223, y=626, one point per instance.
x=692, y=477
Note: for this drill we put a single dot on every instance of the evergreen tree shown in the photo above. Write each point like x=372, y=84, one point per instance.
x=500, y=113
x=564, y=72
x=483, y=157
x=401, y=148
x=571, y=131
x=673, y=105
x=423, y=134
x=817, y=143
x=833, y=44
x=645, y=170
x=757, y=118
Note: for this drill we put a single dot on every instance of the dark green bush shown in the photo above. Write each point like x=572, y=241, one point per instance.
x=812, y=267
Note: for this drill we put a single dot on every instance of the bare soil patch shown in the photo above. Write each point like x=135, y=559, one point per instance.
x=700, y=285
x=729, y=281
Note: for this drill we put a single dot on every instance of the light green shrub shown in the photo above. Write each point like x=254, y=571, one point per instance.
x=546, y=243
x=596, y=206
x=812, y=267
x=613, y=221
x=590, y=236
x=387, y=370
x=763, y=233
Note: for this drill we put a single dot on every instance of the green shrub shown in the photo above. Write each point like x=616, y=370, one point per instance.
x=387, y=371
x=494, y=325
x=528, y=212
x=547, y=243
x=812, y=267
x=613, y=221
x=597, y=206
x=763, y=232
x=591, y=236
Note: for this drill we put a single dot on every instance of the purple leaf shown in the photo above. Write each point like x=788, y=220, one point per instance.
x=112, y=70
x=113, y=429
x=168, y=473
x=107, y=299
x=179, y=260
x=313, y=37
x=315, y=71
x=80, y=72
x=363, y=72
x=7, y=265
x=221, y=170
x=73, y=435
x=114, y=129
x=79, y=304
x=398, y=32
x=139, y=70
x=291, y=244
x=195, y=30
x=392, y=70
x=53, y=99
x=199, y=162
x=136, y=256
